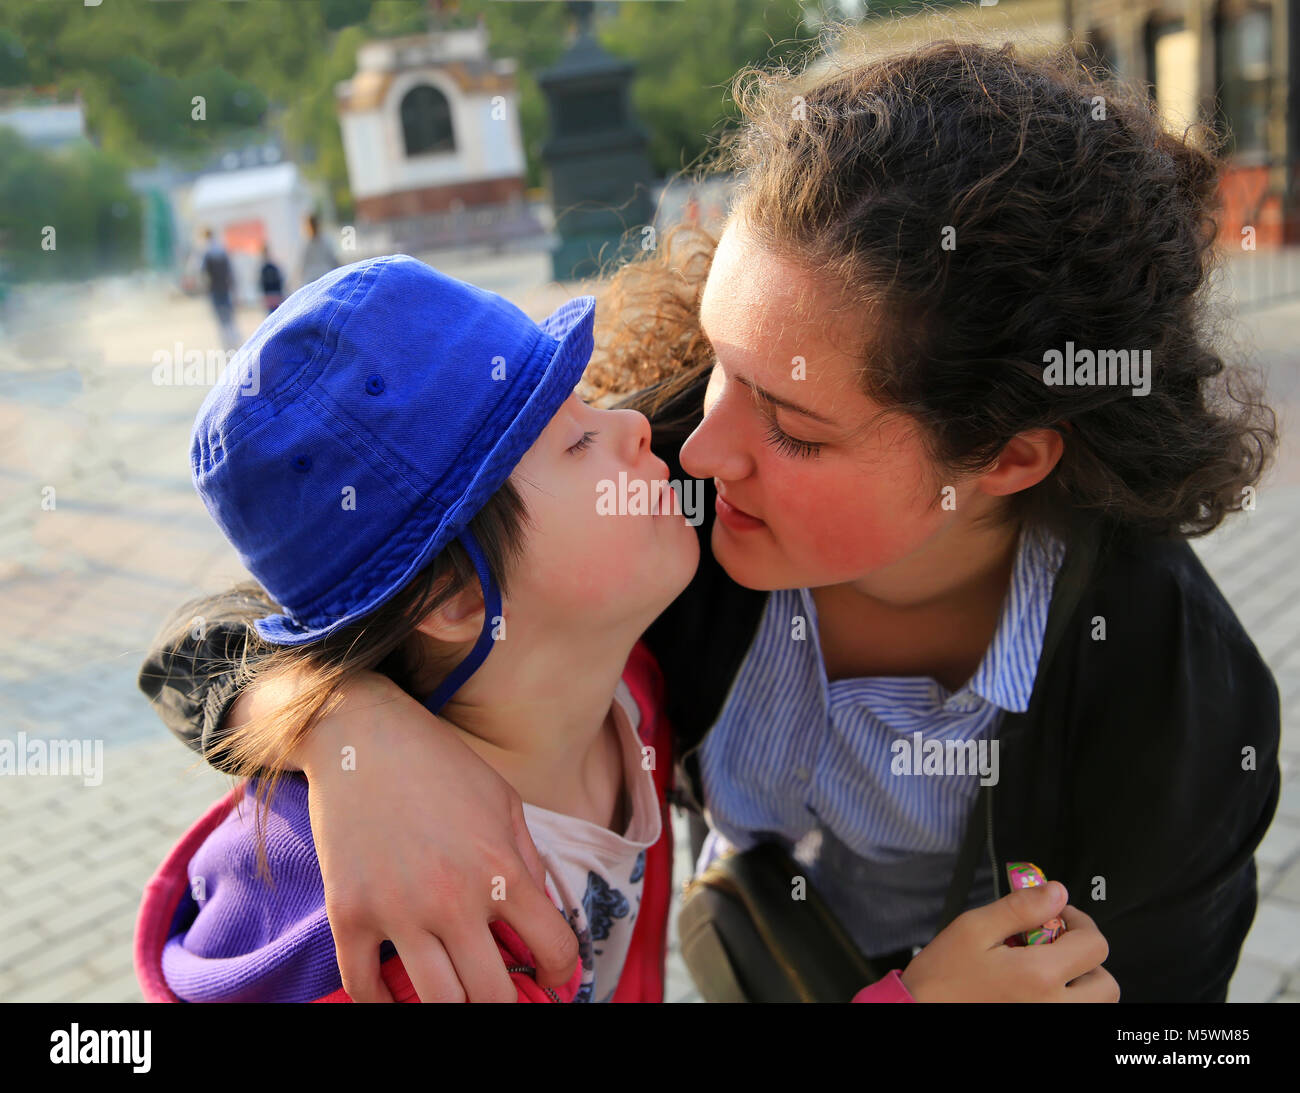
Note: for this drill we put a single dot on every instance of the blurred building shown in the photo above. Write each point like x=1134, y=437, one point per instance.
x=1232, y=63
x=252, y=207
x=43, y=120
x=434, y=151
x=247, y=193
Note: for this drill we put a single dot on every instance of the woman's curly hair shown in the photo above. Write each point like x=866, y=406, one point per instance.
x=980, y=207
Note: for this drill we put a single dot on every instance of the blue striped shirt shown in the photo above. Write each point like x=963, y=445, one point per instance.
x=809, y=763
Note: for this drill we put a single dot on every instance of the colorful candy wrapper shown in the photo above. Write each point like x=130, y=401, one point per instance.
x=1023, y=874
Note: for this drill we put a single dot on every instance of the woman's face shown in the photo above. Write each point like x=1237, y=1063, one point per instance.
x=832, y=495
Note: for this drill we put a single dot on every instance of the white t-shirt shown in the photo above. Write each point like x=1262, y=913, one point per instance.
x=595, y=876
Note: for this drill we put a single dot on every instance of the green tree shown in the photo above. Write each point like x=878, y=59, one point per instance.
x=138, y=65
x=686, y=55
x=82, y=194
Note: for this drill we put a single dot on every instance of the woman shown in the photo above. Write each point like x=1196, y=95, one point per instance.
x=927, y=530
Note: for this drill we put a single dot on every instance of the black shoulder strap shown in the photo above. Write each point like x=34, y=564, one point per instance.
x=964, y=872
x=1076, y=569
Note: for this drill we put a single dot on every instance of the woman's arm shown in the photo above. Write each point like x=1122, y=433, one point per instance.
x=386, y=775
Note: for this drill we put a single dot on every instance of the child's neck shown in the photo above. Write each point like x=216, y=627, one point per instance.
x=542, y=716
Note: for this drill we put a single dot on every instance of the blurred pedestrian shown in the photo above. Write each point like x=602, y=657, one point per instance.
x=272, y=281
x=318, y=258
x=221, y=285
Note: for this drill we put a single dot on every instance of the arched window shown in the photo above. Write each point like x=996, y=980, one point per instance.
x=1245, y=42
x=426, y=121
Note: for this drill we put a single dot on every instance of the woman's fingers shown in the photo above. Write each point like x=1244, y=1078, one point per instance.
x=541, y=926
x=480, y=967
x=531, y=914
x=524, y=842
x=358, y=956
x=431, y=971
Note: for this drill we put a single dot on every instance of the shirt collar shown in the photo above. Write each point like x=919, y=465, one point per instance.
x=1005, y=676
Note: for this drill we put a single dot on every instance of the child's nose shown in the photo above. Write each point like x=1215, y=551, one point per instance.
x=637, y=434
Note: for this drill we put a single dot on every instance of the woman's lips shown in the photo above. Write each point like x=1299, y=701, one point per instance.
x=734, y=518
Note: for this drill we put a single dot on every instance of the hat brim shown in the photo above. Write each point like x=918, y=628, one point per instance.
x=569, y=329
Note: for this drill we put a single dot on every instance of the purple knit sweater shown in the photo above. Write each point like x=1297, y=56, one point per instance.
x=243, y=941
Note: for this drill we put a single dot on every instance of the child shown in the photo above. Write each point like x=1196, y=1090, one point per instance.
x=272, y=281
x=412, y=437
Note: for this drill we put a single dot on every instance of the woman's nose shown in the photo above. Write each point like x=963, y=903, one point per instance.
x=713, y=449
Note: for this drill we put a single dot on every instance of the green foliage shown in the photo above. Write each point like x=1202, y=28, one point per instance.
x=82, y=193
x=274, y=63
x=686, y=55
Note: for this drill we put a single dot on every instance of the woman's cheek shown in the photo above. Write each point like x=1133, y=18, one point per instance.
x=848, y=525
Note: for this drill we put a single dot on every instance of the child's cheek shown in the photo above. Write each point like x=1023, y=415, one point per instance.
x=583, y=567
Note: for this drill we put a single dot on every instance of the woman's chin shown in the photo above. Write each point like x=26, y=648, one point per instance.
x=742, y=562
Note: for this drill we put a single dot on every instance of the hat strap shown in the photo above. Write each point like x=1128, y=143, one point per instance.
x=491, y=611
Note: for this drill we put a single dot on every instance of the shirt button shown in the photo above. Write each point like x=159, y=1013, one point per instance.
x=801, y=773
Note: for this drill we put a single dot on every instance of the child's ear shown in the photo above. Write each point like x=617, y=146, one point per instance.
x=458, y=620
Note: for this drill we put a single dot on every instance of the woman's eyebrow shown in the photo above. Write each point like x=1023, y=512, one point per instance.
x=785, y=404
x=776, y=400
x=755, y=389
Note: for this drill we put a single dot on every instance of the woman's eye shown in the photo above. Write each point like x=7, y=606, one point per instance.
x=787, y=445
x=584, y=443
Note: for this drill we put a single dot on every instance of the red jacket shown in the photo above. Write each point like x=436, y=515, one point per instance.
x=642, y=979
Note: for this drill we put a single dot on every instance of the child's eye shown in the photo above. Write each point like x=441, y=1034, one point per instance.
x=584, y=443
x=787, y=445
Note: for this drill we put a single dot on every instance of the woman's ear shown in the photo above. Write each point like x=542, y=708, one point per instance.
x=1027, y=459
x=458, y=620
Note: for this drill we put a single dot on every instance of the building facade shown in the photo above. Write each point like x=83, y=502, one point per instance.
x=431, y=134
x=1234, y=64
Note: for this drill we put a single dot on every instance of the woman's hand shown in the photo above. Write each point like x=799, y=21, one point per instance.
x=415, y=835
x=970, y=962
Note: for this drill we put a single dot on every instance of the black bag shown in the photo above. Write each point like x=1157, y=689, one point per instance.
x=745, y=939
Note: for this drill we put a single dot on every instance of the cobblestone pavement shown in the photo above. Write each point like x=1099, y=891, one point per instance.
x=86, y=583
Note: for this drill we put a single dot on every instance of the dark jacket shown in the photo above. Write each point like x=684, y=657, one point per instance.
x=1142, y=776
x=272, y=279
x=221, y=278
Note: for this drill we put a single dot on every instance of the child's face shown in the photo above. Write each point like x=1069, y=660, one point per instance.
x=589, y=558
x=869, y=498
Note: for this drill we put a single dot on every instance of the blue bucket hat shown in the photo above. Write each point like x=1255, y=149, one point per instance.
x=363, y=425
